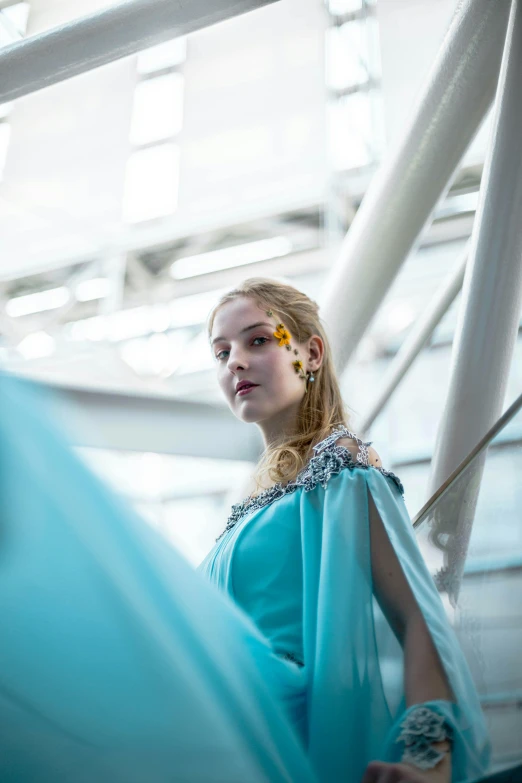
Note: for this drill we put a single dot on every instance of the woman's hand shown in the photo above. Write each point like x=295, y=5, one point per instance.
x=382, y=772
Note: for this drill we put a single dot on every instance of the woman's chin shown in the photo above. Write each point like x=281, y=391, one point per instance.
x=249, y=415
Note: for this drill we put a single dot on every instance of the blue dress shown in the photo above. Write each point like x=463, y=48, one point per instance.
x=119, y=662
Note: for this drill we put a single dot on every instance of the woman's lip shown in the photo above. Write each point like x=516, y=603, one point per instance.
x=246, y=389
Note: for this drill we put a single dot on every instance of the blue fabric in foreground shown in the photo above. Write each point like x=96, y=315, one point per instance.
x=118, y=662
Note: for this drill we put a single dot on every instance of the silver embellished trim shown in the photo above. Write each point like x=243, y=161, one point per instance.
x=422, y=727
x=328, y=460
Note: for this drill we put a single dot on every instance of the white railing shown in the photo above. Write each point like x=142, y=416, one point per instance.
x=117, y=31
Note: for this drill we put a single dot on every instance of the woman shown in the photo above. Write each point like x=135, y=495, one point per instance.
x=118, y=662
x=323, y=530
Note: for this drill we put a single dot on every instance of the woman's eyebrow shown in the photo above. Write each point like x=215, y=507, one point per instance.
x=246, y=329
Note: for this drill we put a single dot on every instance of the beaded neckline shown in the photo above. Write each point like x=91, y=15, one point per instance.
x=328, y=459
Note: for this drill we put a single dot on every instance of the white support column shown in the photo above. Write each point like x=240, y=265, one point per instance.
x=100, y=38
x=489, y=318
x=416, y=340
x=401, y=197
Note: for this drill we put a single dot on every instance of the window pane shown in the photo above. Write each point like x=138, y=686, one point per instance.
x=5, y=132
x=351, y=132
x=13, y=22
x=5, y=109
x=347, y=60
x=163, y=55
x=339, y=7
x=151, y=188
x=158, y=109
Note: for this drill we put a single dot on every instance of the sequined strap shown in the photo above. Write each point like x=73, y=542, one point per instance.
x=327, y=461
x=363, y=456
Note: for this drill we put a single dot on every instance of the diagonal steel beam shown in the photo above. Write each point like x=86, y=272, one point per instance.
x=128, y=422
x=416, y=340
x=121, y=30
x=459, y=91
x=489, y=316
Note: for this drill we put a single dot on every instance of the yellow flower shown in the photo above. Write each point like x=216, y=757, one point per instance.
x=283, y=335
x=298, y=364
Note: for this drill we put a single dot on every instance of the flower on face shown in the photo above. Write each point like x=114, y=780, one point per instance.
x=298, y=364
x=283, y=335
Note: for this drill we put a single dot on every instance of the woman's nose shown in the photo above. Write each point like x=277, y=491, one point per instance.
x=236, y=361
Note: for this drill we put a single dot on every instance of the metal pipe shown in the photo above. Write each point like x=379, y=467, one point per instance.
x=131, y=422
x=417, y=339
x=118, y=31
x=440, y=493
x=402, y=195
x=489, y=318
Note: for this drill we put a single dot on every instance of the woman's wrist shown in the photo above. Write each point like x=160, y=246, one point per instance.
x=444, y=746
x=426, y=737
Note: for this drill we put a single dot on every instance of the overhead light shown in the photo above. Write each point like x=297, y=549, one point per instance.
x=37, y=303
x=193, y=310
x=88, y=290
x=184, y=311
x=238, y=255
x=156, y=355
x=36, y=345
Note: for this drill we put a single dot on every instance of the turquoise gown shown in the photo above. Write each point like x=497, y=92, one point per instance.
x=120, y=662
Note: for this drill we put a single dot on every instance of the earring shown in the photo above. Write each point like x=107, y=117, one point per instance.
x=312, y=377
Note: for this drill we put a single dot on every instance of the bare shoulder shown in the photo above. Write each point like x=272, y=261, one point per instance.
x=353, y=448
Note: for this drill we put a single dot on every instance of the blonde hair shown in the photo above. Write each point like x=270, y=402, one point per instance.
x=322, y=407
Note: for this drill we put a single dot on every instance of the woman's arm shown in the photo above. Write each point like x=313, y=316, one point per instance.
x=424, y=676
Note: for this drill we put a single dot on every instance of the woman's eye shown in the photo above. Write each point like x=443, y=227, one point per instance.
x=219, y=355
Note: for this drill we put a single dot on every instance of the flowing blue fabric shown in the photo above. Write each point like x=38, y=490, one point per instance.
x=301, y=568
x=119, y=662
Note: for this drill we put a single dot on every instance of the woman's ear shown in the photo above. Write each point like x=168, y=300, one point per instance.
x=315, y=351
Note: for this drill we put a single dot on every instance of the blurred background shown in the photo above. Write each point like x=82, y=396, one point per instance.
x=133, y=195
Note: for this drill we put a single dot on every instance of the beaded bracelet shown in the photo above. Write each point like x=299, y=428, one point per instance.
x=421, y=728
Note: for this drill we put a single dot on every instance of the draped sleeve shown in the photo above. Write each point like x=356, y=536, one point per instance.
x=352, y=718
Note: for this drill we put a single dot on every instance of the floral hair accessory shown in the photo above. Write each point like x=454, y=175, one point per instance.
x=283, y=335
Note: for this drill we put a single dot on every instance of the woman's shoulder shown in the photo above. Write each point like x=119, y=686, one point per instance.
x=354, y=448
x=361, y=452
x=354, y=452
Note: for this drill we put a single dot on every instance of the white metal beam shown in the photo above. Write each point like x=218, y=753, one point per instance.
x=417, y=339
x=402, y=195
x=126, y=422
x=118, y=31
x=489, y=317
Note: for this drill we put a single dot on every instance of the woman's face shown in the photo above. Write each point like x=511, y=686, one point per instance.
x=245, y=349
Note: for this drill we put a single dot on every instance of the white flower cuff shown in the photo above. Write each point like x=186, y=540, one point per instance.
x=420, y=729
